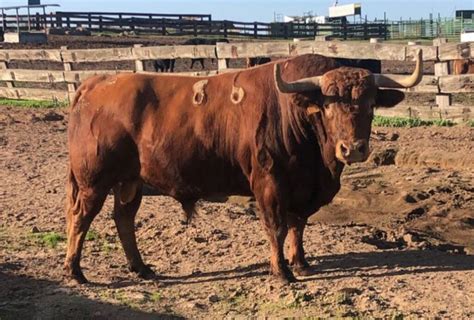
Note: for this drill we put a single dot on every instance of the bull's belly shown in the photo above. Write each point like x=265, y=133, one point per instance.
x=200, y=179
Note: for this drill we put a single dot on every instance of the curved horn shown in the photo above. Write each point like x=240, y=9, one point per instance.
x=306, y=84
x=392, y=81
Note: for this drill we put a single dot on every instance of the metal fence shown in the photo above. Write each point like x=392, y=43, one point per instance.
x=428, y=28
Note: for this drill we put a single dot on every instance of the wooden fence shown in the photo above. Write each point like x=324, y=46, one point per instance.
x=191, y=25
x=441, y=84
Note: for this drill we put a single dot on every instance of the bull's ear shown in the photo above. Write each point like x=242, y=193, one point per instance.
x=387, y=98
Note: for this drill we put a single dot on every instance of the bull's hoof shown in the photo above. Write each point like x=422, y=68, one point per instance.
x=144, y=272
x=303, y=271
x=285, y=279
x=76, y=276
x=284, y=276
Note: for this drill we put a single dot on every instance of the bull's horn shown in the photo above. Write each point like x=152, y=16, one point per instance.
x=306, y=84
x=392, y=81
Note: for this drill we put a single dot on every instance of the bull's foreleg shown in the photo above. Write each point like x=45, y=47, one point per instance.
x=296, y=251
x=273, y=219
x=127, y=199
x=83, y=206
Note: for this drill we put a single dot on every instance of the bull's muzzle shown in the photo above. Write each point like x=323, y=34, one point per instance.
x=351, y=152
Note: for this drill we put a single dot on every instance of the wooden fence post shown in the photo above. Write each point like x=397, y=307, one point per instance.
x=4, y=66
x=89, y=18
x=255, y=29
x=71, y=87
x=441, y=69
x=225, y=29
x=139, y=67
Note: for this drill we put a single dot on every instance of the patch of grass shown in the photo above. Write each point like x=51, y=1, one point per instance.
x=41, y=104
x=380, y=121
x=92, y=235
x=49, y=239
x=155, y=296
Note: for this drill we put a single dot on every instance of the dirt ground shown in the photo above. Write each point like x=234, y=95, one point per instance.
x=398, y=240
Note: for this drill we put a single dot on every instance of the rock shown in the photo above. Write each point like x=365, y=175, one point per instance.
x=384, y=157
x=415, y=213
x=35, y=230
x=53, y=116
x=213, y=298
x=410, y=239
x=422, y=195
x=408, y=198
x=200, y=239
x=393, y=137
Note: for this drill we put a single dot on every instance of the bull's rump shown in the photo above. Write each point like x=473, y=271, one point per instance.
x=128, y=127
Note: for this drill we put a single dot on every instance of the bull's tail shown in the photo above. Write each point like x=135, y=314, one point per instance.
x=189, y=209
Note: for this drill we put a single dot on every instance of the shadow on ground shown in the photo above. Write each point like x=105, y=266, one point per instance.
x=23, y=298
x=360, y=264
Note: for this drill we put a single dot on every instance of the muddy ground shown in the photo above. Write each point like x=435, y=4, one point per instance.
x=397, y=241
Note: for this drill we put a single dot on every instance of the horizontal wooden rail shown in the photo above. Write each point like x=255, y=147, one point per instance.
x=454, y=113
x=339, y=49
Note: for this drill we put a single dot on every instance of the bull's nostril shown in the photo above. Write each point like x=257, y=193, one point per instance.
x=344, y=150
x=362, y=148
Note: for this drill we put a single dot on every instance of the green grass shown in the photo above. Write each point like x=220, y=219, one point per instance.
x=380, y=121
x=49, y=239
x=92, y=235
x=41, y=104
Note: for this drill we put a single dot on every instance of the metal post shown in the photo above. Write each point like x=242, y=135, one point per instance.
x=29, y=23
x=17, y=22
x=4, y=22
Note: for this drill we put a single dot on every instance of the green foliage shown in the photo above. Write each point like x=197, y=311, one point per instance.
x=49, y=239
x=380, y=121
x=41, y=104
x=155, y=296
x=92, y=235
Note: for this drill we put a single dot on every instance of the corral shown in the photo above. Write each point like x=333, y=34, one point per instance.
x=396, y=242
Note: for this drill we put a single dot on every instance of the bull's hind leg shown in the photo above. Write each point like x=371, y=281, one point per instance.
x=83, y=205
x=127, y=199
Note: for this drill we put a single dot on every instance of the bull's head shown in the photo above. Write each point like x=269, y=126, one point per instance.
x=348, y=97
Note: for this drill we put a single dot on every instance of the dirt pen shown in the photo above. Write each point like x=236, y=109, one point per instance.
x=397, y=242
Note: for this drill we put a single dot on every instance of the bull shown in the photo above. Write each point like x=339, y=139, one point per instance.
x=463, y=66
x=282, y=132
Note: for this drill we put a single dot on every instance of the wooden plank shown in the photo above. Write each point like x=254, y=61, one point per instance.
x=138, y=63
x=456, y=84
x=79, y=76
x=253, y=49
x=33, y=94
x=361, y=51
x=49, y=55
x=173, y=52
x=430, y=53
x=27, y=75
x=4, y=67
x=452, y=51
x=428, y=84
x=97, y=55
x=441, y=68
x=430, y=112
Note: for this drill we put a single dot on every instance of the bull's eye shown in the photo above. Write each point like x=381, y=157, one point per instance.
x=353, y=108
